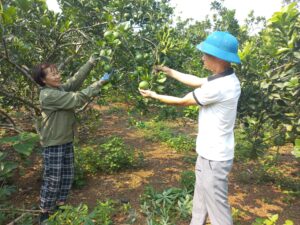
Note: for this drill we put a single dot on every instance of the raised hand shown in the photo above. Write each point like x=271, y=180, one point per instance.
x=158, y=68
x=106, y=77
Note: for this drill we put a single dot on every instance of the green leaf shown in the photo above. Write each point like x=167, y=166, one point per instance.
x=6, y=168
x=9, y=15
x=9, y=140
x=22, y=143
x=24, y=148
x=288, y=222
x=264, y=84
x=28, y=136
x=296, y=151
x=2, y=155
x=6, y=191
x=282, y=50
x=162, y=80
x=297, y=55
x=275, y=18
x=23, y=4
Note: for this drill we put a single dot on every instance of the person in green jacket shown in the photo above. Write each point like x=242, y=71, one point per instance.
x=58, y=103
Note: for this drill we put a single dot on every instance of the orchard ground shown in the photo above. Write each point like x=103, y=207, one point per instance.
x=161, y=169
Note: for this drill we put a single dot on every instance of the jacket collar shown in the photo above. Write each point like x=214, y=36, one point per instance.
x=54, y=88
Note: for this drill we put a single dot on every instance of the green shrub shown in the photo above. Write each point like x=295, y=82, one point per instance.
x=80, y=174
x=23, y=145
x=191, y=111
x=109, y=157
x=159, y=131
x=87, y=158
x=101, y=214
x=187, y=180
x=271, y=220
x=116, y=155
x=166, y=207
x=167, y=112
x=182, y=143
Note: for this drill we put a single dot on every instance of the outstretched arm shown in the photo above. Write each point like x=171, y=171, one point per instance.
x=75, y=82
x=171, y=100
x=188, y=79
x=53, y=99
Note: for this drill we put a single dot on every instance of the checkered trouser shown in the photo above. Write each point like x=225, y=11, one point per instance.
x=58, y=174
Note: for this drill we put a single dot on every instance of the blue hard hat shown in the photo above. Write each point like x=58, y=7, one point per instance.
x=222, y=45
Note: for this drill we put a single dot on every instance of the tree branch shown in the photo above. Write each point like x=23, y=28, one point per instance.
x=17, y=219
x=64, y=63
x=22, y=210
x=16, y=97
x=23, y=69
x=79, y=30
x=7, y=117
x=3, y=40
x=11, y=127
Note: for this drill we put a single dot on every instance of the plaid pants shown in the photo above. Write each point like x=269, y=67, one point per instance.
x=58, y=174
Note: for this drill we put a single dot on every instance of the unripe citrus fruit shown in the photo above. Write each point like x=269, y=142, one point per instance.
x=138, y=56
x=107, y=34
x=102, y=52
x=116, y=34
x=144, y=85
x=107, y=68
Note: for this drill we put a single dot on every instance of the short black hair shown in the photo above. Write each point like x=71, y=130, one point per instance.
x=39, y=72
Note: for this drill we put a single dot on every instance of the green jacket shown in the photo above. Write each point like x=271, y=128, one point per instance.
x=58, y=107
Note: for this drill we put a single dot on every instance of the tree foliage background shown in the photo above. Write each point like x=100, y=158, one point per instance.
x=135, y=35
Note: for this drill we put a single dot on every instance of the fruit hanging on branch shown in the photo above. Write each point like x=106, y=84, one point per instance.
x=144, y=85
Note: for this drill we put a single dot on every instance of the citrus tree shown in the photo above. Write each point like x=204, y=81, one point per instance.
x=120, y=32
x=269, y=105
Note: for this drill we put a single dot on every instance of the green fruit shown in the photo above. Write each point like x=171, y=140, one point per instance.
x=161, y=78
x=102, y=52
x=116, y=34
x=117, y=42
x=127, y=16
x=127, y=27
x=144, y=85
x=138, y=56
x=108, y=52
x=107, y=34
x=107, y=68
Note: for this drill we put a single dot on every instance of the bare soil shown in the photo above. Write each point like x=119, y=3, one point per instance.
x=161, y=169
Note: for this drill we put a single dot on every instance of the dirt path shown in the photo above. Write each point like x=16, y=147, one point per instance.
x=162, y=169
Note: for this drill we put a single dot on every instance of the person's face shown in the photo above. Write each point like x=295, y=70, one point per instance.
x=208, y=61
x=52, y=78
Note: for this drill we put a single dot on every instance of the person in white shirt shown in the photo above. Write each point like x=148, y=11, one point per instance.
x=217, y=96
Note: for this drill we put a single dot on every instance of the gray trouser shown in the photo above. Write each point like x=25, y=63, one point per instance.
x=211, y=192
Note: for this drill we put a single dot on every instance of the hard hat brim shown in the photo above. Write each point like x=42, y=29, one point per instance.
x=218, y=53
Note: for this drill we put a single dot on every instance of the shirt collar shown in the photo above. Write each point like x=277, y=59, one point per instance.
x=227, y=72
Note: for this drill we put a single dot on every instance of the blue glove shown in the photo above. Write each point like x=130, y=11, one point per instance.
x=107, y=76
